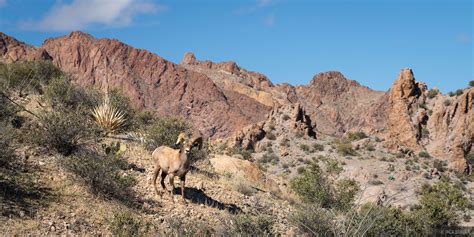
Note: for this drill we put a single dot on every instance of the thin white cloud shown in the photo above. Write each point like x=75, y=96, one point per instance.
x=82, y=14
x=256, y=6
x=3, y=3
x=269, y=20
x=463, y=38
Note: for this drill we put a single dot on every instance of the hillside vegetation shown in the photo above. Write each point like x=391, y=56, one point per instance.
x=75, y=160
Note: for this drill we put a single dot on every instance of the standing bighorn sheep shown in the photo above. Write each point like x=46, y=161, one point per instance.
x=174, y=162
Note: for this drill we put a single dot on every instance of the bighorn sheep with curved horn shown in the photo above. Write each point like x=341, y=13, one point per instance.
x=174, y=162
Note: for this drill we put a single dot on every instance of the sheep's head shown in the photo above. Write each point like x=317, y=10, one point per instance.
x=194, y=142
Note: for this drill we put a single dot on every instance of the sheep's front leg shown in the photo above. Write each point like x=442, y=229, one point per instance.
x=183, y=180
x=172, y=186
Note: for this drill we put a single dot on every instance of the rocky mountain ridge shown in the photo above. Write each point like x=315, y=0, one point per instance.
x=222, y=99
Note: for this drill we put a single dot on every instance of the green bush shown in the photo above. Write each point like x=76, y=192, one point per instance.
x=101, y=173
x=356, y=135
x=165, y=131
x=269, y=157
x=246, y=154
x=304, y=147
x=313, y=220
x=27, y=76
x=432, y=93
x=447, y=102
x=286, y=117
x=439, y=165
x=124, y=223
x=314, y=186
x=441, y=204
x=345, y=148
x=6, y=149
x=61, y=93
x=376, y=220
x=270, y=136
x=458, y=92
x=471, y=83
x=63, y=130
x=246, y=225
x=424, y=154
x=318, y=147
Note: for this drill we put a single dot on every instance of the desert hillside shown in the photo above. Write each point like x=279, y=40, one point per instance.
x=80, y=118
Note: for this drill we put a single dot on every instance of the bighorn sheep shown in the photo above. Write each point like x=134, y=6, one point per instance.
x=174, y=162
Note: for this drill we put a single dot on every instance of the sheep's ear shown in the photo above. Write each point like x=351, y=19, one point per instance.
x=197, y=141
x=181, y=138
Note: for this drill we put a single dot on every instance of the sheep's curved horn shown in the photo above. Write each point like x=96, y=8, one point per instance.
x=196, y=141
x=181, y=138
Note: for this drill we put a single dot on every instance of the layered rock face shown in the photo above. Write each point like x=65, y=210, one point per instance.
x=12, y=50
x=339, y=104
x=451, y=128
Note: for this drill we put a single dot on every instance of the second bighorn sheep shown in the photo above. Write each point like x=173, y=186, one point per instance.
x=174, y=162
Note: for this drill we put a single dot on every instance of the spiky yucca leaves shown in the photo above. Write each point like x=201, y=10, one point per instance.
x=109, y=117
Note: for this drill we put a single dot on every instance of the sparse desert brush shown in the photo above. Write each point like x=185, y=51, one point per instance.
x=63, y=130
x=318, y=187
x=126, y=223
x=353, y=136
x=247, y=225
x=101, y=173
x=432, y=93
x=344, y=148
x=6, y=148
x=61, y=93
x=164, y=131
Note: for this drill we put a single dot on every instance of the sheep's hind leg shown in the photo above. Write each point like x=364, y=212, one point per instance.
x=163, y=176
x=183, y=180
x=172, y=186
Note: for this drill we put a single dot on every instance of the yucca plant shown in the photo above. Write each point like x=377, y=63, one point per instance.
x=109, y=117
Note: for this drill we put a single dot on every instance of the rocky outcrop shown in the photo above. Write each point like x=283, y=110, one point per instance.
x=404, y=120
x=340, y=104
x=230, y=77
x=282, y=120
x=451, y=129
x=12, y=50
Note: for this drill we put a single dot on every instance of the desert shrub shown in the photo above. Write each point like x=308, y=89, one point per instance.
x=447, y=102
x=7, y=110
x=432, y=93
x=353, y=136
x=164, y=131
x=246, y=154
x=286, y=117
x=63, y=130
x=470, y=157
x=375, y=182
x=244, y=188
x=471, y=83
x=425, y=133
x=6, y=148
x=345, y=148
x=314, y=186
x=441, y=204
x=304, y=147
x=246, y=225
x=370, y=147
x=27, y=76
x=374, y=220
x=439, y=165
x=318, y=147
x=313, y=220
x=270, y=136
x=269, y=157
x=60, y=92
x=424, y=106
x=451, y=94
x=285, y=142
x=424, y=154
x=101, y=173
x=458, y=92
x=124, y=223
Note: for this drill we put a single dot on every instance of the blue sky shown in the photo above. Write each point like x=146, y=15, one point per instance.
x=287, y=40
